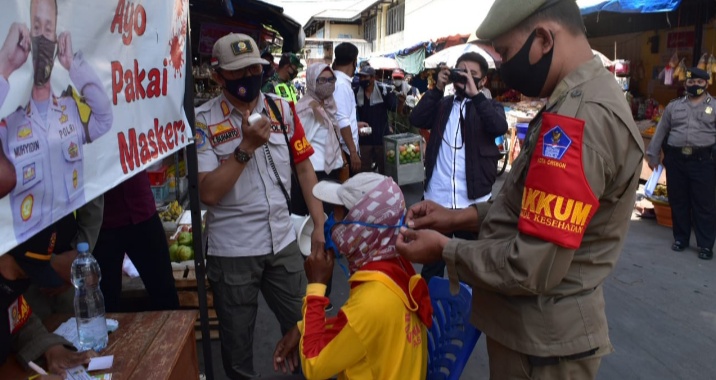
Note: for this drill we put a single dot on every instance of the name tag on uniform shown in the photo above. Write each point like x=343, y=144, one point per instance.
x=18, y=313
x=709, y=110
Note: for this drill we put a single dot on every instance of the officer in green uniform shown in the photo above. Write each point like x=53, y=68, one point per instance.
x=687, y=135
x=280, y=83
x=556, y=229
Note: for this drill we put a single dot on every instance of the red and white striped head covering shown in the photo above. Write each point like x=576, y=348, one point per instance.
x=369, y=231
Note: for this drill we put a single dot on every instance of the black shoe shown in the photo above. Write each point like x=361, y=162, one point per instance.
x=328, y=307
x=678, y=246
x=706, y=254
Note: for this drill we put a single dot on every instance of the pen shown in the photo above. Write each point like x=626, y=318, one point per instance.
x=36, y=368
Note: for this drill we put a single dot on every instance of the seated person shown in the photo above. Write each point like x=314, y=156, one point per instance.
x=380, y=332
x=23, y=333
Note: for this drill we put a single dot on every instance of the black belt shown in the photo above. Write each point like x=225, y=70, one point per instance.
x=540, y=361
x=699, y=153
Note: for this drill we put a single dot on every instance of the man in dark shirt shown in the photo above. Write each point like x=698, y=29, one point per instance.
x=131, y=225
x=373, y=103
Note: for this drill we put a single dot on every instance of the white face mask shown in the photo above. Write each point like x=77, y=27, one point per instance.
x=398, y=82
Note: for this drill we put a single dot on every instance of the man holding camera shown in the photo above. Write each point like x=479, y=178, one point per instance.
x=461, y=156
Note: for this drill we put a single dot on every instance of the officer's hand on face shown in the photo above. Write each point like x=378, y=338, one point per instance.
x=443, y=78
x=429, y=215
x=256, y=134
x=319, y=267
x=15, y=50
x=285, y=356
x=59, y=359
x=424, y=246
x=65, y=54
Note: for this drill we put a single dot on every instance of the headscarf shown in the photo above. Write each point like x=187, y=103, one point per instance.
x=324, y=112
x=360, y=244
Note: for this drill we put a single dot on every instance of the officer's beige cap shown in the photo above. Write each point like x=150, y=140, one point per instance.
x=505, y=15
x=235, y=51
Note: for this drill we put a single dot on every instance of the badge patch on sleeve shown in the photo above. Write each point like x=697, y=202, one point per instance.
x=222, y=133
x=557, y=202
x=18, y=314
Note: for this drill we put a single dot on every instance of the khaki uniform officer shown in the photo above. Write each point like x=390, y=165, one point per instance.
x=244, y=177
x=557, y=227
x=687, y=134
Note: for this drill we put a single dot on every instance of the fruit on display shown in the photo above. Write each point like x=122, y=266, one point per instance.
x=182, y=250
x=408, y=153
x=660, y=194
x=172, y=212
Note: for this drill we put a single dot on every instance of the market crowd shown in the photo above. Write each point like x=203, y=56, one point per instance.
x=269, y=150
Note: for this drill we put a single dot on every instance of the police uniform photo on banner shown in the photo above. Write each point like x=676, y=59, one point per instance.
x=91, y=93
x=43, y=138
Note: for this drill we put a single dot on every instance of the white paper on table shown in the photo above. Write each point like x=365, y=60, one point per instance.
x=68, y=330
x=78, y=373
x=100, y=362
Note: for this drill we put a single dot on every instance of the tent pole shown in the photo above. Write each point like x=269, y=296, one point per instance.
x=193, y=174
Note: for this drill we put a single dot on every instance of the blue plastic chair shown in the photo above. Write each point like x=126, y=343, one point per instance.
x=452, y=338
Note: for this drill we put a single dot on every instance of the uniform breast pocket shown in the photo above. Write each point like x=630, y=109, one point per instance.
x=679, y=115
x=29, y=172
x=72, y=167
x=708, y=117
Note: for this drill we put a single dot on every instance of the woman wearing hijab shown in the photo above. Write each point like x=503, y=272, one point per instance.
x=316, y=110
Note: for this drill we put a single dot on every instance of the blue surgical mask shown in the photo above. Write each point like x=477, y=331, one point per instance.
x=331, y=222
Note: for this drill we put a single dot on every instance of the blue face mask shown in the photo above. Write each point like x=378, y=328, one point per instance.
x=331, y=222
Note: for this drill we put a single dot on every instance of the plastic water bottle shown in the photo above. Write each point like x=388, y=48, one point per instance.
x=89, y=301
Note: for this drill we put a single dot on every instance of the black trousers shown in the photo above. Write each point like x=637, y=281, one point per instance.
x=438, y=268
x=146, y=245
x=691, y=183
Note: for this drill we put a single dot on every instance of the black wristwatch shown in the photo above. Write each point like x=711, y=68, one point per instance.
x=241, y=155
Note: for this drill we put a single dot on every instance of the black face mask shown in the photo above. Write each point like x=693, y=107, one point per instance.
x=364, y=84
x=245, y=89
x=43, y=58
x=524, y=77
x=695, y=90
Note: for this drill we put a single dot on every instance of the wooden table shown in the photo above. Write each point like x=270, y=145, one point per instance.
x=152, y=345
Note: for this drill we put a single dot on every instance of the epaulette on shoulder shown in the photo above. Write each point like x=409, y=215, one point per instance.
x=68, y=92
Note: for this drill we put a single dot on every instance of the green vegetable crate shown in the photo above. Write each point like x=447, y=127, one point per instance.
x=404, y=158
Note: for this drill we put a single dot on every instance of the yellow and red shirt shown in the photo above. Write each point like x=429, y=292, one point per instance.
x=380, y=332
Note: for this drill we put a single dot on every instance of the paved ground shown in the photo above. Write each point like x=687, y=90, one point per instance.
x=661, y=307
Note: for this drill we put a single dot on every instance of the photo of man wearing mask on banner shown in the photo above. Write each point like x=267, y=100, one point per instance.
x=44, y=139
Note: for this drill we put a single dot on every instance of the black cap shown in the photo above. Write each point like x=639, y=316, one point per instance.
x=33, y=256
x=695, y=72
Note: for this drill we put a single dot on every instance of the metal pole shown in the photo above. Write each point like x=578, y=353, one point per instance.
x=193, y=174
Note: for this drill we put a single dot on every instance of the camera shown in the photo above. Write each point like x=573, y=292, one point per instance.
x=455, y=77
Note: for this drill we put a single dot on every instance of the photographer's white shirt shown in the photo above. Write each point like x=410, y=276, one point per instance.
x=448, y=184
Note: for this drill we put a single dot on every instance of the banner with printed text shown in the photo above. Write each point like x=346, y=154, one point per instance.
x=91, y=93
